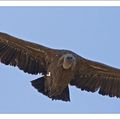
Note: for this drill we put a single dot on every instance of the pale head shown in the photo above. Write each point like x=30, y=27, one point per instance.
x=68, y=61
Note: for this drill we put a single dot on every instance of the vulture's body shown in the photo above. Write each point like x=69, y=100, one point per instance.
x=60, y=68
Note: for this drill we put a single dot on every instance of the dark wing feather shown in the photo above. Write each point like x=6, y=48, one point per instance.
x=93, y=76
x=29, y=57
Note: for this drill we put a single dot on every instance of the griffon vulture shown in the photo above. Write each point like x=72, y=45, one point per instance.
x=59, y=68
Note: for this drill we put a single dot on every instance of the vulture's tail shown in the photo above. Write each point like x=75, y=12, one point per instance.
x=39, y=85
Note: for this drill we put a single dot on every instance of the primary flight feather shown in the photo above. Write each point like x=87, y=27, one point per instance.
x=59, y=68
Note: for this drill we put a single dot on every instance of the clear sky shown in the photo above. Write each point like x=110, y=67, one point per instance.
x=92, y=32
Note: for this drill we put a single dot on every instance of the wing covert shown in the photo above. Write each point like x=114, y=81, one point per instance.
x=28, y=56
x=92, y=76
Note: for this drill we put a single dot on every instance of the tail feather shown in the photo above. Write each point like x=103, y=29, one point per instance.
x=63, y=96
x=39, y=85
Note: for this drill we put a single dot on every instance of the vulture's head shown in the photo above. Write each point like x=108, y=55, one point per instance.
x=67, y=61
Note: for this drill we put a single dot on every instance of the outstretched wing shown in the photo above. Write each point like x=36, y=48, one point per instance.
x=29, y=57
x=93, y=76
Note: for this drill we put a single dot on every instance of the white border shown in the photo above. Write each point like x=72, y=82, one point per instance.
x=59, y=3
x=61, y=116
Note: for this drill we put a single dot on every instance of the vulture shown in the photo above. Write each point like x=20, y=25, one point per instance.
x=58, y=69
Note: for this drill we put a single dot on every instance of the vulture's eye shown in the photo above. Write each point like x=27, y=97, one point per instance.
x=69, y=58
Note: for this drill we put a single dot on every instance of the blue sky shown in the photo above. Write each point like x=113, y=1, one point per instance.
x=92, y=32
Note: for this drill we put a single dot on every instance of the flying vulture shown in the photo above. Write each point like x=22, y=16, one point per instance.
x=59, y=69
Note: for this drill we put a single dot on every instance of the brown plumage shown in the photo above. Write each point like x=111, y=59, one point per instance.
x=59, y=68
